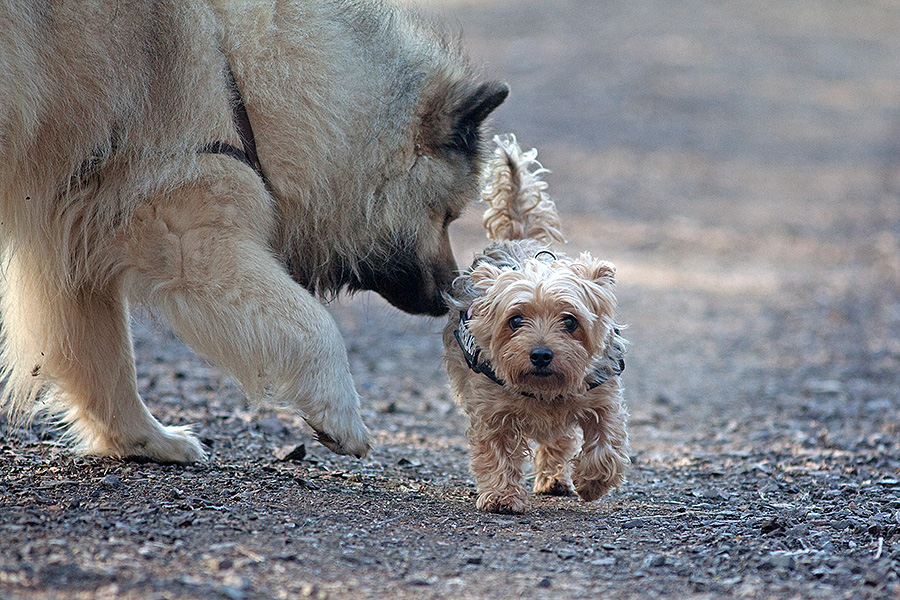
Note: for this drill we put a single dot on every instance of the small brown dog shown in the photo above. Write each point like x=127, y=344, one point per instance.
x=533, y=351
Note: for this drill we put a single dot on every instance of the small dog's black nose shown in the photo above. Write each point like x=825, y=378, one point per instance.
x=541, y=357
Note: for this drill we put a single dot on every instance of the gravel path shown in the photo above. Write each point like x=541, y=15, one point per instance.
x=739, y=162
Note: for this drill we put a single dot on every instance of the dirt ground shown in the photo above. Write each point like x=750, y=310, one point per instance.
x=740, y=163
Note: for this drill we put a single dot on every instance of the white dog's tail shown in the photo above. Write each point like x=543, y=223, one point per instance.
x=518, y=205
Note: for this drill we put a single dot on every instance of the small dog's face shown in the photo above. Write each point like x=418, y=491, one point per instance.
x=543, y=325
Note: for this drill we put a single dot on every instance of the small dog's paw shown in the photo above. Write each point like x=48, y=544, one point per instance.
x=509, y=502
x=553, y=486
x=598, y=472
x=591, y=490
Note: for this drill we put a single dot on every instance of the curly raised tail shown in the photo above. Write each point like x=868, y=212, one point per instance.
x=518, y=205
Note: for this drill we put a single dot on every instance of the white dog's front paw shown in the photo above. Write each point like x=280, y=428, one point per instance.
x=172, y=445
x=350, y=440
x=160, y=444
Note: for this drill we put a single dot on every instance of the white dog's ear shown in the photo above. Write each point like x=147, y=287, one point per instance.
x=483, y=277
x=452, y=118
x=601, y=272
x=472, y=112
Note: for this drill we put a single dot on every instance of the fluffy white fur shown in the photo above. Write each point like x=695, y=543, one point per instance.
x=367, y=126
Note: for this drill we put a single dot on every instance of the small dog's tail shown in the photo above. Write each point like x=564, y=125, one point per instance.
x=518, y=205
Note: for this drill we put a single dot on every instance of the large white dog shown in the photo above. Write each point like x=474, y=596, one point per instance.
x=222, y=161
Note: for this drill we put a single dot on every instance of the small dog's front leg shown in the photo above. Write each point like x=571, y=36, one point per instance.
x=551, y=467
x=603, y=460
x=497, y=456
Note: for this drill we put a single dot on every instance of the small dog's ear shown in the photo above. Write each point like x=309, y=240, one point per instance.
x=601, y=272
x=483, y=277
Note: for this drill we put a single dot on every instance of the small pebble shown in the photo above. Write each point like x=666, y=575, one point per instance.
x=112, y=482
x=567, y=553
x=654, y=560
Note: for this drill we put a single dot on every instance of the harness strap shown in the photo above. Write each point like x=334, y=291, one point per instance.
x=472, y=353
x=247, y=154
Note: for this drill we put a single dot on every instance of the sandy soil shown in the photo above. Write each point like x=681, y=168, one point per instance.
x=739, y=163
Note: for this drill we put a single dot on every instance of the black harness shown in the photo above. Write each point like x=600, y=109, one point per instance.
x=247, y=153
x=473, y=355
x=471, y=351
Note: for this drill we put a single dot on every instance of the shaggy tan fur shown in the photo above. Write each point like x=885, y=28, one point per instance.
x=368, y=131
x=544, y=325
x=518, y=204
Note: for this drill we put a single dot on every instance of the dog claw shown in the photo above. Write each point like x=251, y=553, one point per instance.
x=326, y=440
x=337, y=447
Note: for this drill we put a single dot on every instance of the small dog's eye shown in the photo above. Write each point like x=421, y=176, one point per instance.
x=515, y=322
x=570, y=323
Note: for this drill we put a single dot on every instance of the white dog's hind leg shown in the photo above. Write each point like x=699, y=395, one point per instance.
x=201, y=255
x=80, y=344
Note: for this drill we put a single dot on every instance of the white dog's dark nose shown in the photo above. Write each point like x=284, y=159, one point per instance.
x=541, y=357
